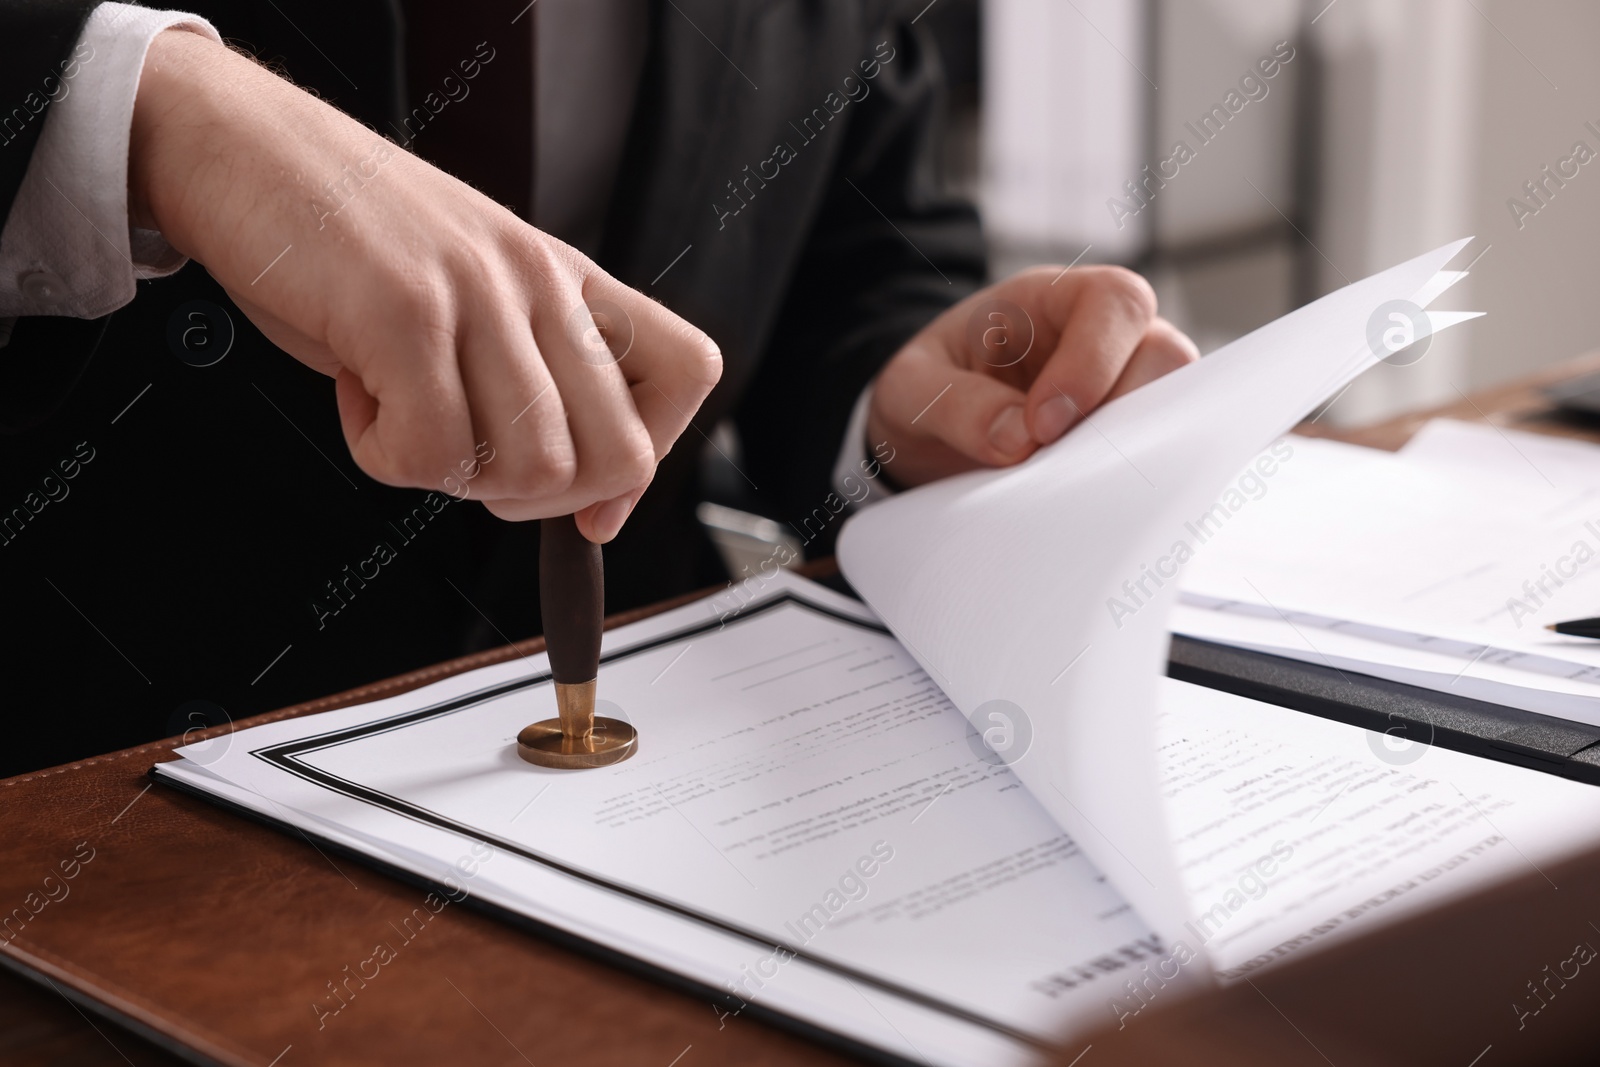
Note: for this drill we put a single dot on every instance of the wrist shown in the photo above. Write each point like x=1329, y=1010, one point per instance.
x=167, y=135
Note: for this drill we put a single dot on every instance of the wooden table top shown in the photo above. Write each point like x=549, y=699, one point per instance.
x=1519, y=404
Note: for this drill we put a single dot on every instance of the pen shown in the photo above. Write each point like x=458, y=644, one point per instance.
x=572, y=609
x=1577, y=628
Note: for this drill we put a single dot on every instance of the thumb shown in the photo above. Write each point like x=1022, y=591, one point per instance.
x=968, y=412
x=358, y=409
x=602, y=521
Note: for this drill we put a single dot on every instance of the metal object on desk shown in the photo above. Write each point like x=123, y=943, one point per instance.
x=572, y=607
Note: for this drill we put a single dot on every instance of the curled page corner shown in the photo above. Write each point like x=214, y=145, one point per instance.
x=1041, y=592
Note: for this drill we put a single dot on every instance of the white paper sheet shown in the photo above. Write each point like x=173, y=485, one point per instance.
x=1002, y=583
x=804, y=786
x=1431, y=562
x=801, y=783
x=1482, y=450
x=1464, y=668
x=1354, y=839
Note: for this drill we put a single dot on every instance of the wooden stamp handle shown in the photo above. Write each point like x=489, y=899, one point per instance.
x=571, y=599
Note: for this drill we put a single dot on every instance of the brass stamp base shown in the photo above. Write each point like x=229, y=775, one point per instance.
x=546, y=745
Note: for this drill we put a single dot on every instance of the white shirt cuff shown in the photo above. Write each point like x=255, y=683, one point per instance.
x=68, y=247
x=855, y=472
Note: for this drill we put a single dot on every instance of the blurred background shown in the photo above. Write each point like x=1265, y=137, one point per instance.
x=1396, y=126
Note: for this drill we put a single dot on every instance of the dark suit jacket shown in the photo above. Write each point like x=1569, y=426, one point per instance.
x=178, y=540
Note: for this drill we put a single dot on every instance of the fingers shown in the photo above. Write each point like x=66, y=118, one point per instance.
x=519, y=415
x=600, y=521
x=405, y=416
x=669, y=365
x=923, y=402
x=1014, y=367
x=603, y=521
x=1107, y=313
x=614, y=450
x=611, y=379
x=548, y=384
x=1163, y=350
x=358, y=410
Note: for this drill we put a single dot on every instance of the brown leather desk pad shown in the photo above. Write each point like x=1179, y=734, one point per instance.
x=218, y=937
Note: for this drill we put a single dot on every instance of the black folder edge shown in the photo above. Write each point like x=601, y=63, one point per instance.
x=1510, y=735
x=1545, y=743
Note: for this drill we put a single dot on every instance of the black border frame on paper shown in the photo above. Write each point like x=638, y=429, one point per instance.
x=288, y=756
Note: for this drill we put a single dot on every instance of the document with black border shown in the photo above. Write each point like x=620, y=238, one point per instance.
x=952, y=842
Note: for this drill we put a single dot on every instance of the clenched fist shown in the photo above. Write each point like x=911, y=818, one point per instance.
x=451, y=326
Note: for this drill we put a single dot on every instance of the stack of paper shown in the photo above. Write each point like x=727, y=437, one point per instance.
x=811, y=828
x=1439, y=566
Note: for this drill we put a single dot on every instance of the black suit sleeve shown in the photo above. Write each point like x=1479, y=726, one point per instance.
x=36, y=37
x=888, y=252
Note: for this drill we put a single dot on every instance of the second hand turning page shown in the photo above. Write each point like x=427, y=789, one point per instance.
x=1012, y=587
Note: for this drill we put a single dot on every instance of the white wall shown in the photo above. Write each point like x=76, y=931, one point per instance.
x=1400, y=147
x=1538, y=284
x=1242, y=178
x=1062, y=124
x=1433, y=114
